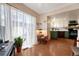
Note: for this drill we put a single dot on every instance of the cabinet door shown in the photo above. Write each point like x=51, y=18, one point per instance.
x=54, y=34
x=61, y=34
x=66, y=34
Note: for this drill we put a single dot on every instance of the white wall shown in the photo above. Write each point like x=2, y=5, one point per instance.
x=42, y=25
x=43, y=21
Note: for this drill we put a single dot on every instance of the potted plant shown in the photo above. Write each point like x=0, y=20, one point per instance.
x=18, y=43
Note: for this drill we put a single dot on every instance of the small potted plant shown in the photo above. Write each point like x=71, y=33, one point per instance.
x=18, y=43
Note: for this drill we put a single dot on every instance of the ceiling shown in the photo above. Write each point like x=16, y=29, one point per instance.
x=42, y=8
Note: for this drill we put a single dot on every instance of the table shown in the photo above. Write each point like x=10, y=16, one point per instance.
x=8, y=50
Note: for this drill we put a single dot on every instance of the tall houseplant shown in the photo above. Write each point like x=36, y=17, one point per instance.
x=18, y=43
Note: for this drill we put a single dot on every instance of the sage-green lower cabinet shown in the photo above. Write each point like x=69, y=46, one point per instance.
x=54, y=34
x=66, y=34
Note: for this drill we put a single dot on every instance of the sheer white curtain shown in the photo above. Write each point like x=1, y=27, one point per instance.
x=23, y=25
x=8, y=35
x=5, y=22
x=14, y=23
x=2, y=23
x=29, y=31
x=27, y=35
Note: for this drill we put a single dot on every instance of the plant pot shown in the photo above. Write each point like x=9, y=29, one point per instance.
x=18, y=49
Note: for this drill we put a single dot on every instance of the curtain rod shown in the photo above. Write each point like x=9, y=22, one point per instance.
x=12, y=6
x=15, y=7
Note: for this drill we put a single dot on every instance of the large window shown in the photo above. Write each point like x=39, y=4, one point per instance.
x=14, y=22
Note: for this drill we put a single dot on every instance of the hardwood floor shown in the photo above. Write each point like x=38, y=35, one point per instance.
x=59, y=47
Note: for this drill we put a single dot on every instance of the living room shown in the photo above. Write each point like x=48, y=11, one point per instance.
x=46, y=29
